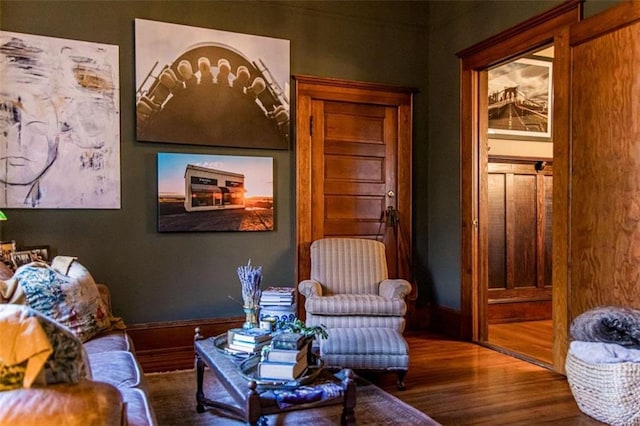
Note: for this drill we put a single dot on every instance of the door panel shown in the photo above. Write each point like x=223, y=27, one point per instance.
x=604, y=173
x=519, y=241
x=355, y=164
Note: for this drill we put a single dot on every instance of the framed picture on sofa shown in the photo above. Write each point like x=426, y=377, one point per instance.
x=19, y=258
x=41, y=253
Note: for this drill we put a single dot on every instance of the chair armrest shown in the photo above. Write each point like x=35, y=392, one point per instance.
x=78, y=404
x=310, y=288
x=395, y=289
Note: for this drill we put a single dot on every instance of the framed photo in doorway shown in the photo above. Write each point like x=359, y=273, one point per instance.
x=520, y=100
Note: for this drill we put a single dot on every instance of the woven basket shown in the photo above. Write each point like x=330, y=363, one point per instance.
x=607, y=392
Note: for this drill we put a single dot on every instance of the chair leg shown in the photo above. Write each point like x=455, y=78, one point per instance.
x=400, y=382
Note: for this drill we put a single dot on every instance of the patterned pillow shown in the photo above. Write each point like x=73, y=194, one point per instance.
x=38, y=352
x=73, y=301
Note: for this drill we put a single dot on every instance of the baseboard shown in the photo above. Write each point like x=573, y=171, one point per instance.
x=166, y=346
x=447, y=321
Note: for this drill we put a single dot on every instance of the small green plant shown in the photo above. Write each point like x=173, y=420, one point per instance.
x=298, y=326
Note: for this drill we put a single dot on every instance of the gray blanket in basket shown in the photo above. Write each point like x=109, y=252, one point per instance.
x=609, y=324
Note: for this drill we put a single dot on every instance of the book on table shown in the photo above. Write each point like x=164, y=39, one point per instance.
x=288, y=340
x=250, y=335
x=248, y=347
x=278, y=291
x=285, y=355
x=277, y=296
x=282, y=370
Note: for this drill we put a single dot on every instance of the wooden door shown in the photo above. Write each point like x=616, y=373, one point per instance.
x=353, y=156
x=519, y=204
x=599, y=205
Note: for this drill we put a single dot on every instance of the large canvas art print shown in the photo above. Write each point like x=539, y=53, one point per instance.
x=59, y=123
x=207, y=87
x=199, y=192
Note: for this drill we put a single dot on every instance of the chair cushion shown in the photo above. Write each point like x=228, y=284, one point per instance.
x=115, y=340
x=364, y=341
x=355, y=304
x=348, y=265
x=365, y=348
x=118, y=368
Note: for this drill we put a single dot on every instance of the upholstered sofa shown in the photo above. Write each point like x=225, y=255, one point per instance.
x=113, y=393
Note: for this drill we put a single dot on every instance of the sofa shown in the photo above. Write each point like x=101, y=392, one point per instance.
x=110, y=392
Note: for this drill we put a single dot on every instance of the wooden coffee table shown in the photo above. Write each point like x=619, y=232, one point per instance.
x=254, y=401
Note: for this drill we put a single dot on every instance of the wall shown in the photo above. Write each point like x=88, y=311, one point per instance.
x=182, y=276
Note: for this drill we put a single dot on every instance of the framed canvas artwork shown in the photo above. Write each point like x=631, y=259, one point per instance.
x=199, y=192
x=207, y=87
x=59, y=123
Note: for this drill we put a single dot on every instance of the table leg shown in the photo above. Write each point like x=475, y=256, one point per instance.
x=348, y=417
x=200, y=400
x=253, y=406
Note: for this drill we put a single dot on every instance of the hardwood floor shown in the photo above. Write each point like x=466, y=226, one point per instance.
x=458, y=383
x=530, y=338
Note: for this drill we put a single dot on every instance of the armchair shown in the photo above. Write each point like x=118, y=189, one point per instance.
x=350, y=288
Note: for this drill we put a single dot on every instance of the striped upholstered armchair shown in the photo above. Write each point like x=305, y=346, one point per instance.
x=350, y=287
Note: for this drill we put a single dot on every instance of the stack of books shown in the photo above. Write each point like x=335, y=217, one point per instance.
x=285, y=358
x=277, y=296
x=278, y=304
x=252, y=340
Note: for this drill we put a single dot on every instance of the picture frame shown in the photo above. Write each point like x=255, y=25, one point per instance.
x=6, y=249
x=215, y=193
x=520, y=100
x=201, y=86
x=39, y=253
x=19, y=258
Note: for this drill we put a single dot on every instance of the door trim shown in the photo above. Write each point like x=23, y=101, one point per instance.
x=538, y=31
x=310, y=88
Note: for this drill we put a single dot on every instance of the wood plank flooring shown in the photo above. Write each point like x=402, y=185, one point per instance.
x=531, y=338
x=459, y=383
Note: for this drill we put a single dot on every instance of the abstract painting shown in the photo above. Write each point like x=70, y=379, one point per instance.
x=200, y=192
x=59, y=123
x=207, y=87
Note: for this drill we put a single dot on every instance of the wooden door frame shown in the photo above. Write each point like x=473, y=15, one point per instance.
x=544, y=29
x=309, y=88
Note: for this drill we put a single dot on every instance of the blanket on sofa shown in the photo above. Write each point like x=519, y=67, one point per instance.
x=608, y=324
x=25, y=347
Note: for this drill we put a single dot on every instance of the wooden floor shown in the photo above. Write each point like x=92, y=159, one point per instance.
x=530, y=338
x=458, y=383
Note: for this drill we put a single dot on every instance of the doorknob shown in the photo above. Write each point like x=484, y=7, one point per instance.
x=390, y=193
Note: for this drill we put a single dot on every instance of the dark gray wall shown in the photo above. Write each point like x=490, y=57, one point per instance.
x=163, y=277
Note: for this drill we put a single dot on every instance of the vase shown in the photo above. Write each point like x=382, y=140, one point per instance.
x=251, y=317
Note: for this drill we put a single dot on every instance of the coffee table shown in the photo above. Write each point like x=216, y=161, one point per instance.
x=256, y=400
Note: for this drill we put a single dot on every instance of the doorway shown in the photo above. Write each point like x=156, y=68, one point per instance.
x=532, y=36
x=353, y=160
x=518, y=205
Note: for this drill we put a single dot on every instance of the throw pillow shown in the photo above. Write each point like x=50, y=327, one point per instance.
x=73, y=301
x=37, y=350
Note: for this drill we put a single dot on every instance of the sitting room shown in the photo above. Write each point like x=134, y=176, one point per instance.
x=436, y=198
